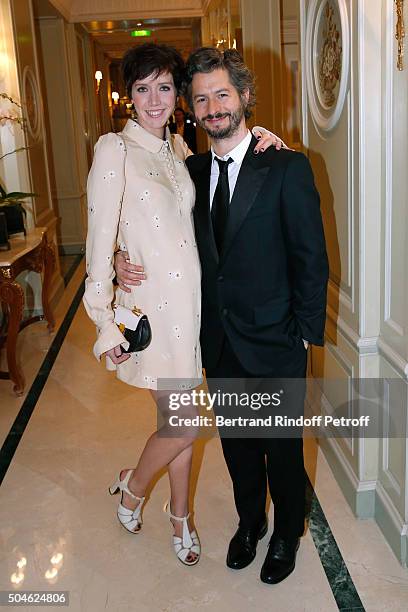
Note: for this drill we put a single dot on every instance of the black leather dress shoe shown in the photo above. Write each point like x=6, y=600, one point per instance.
x=242, y=548
x=280, y=559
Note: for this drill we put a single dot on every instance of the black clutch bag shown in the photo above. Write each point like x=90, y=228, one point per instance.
x=135, y=327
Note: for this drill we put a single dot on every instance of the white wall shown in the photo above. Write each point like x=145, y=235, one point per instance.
x=392, y=486
x=360, y=169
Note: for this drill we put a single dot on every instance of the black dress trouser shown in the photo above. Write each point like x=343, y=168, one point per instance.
x=255, y=462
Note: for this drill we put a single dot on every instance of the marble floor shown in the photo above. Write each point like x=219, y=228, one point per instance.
x=62, y=445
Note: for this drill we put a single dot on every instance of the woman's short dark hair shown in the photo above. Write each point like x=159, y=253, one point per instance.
x=207, y=59
x=142, y=61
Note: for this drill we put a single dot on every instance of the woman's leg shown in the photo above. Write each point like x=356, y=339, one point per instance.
x=160, y=451
x=163, y=449
x=179, y=476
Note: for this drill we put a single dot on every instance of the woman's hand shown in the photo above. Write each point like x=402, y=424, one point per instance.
x=127, y=273
x=116, y=355
x=266, y=139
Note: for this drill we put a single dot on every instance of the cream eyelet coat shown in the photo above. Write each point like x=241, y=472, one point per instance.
x=155, y=227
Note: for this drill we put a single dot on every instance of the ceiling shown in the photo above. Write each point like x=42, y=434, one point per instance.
x=86, y=10
x=115, y=37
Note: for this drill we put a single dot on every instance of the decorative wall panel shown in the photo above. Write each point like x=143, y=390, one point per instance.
x=327, y=60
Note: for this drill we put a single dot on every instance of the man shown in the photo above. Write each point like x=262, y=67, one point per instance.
x=264, y=277
x=185, y=128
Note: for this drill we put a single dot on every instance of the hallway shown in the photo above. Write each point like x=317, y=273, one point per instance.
x=55, y=511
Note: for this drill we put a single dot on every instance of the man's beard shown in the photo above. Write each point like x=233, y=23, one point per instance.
x=227, y=132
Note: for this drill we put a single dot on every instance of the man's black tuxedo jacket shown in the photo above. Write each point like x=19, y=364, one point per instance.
x=267, y=290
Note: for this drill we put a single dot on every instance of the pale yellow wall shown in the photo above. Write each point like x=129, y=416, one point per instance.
x=27, y=63
x=216, y=25
x=103, y=98
x=14, y=169
x=64, y=7
x=291, y=73
x=290, y=8
x=261, y=27
x=86, y=84
x=66, y=117
x=27, y=171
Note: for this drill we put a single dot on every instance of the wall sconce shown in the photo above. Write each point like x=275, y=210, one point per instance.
x=98, y=77
x=400, y=32
x=115, y=97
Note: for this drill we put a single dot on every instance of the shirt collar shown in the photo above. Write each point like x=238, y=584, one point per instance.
x=145, y=139
x=238, y=153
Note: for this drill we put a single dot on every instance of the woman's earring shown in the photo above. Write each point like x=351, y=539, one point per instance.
x=133, y=114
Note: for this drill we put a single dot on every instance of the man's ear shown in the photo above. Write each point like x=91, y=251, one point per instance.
x=245, y=95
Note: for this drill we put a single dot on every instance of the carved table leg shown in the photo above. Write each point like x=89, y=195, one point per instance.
x=12, y=295
x=49, y=266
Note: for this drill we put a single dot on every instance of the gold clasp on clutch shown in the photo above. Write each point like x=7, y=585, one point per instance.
x=122, y=328
x=135, y=310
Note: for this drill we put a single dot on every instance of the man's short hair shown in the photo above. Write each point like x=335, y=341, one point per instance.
x=207, y=59
x=142, y=61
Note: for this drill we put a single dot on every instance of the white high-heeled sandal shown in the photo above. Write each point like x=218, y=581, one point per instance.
x=131, y=520
x=188, y=543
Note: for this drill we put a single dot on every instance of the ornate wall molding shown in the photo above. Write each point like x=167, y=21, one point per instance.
x=32, y=103
x=327, y=61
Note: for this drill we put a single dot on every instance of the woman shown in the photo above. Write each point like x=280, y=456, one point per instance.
x=140, y=200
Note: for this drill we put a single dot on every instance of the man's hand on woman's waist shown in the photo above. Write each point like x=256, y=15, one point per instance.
x=127, y=274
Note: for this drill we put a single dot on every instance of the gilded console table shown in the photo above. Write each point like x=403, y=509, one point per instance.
x=33, y=252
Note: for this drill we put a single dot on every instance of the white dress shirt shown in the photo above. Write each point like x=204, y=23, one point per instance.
x=237, y=154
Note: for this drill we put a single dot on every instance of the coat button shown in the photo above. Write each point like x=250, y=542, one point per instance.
x=220, y=278
x=225, y=312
